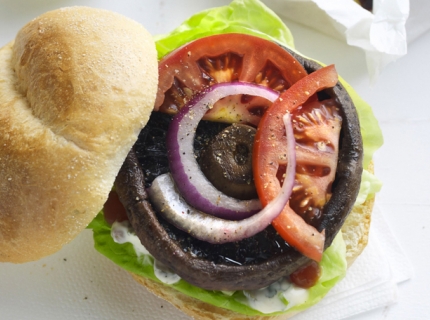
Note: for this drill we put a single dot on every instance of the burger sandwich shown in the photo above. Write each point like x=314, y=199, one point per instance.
x=243, y=183
x=213, y=145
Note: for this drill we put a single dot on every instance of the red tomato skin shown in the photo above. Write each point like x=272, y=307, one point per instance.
x=113, y=209
x=307, y=276
x=182, y=64
x=268, y=152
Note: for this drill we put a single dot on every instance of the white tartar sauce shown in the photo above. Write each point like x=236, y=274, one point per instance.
x=165, y=274
x=279, y=296
x=122, y=232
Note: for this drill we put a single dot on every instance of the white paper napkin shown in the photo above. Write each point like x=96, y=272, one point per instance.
x=372, y=280
x=381, y=34
x=418, y=22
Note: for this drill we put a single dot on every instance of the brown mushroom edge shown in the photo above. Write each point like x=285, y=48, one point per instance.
x=163, y=241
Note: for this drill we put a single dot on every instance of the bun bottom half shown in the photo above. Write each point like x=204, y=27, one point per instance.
x=355, y=232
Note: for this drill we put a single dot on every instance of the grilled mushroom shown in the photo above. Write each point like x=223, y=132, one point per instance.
x=257, y=261
x=227, y=161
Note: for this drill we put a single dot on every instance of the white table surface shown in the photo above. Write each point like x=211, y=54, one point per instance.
x=399, y=99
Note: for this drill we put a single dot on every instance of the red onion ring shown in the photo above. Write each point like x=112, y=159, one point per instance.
x=189, y=179
x=205, y=227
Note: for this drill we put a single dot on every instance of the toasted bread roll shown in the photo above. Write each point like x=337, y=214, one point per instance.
x=76, y=87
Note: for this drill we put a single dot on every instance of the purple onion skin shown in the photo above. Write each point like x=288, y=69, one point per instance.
x=205, y=227
x=189, y=179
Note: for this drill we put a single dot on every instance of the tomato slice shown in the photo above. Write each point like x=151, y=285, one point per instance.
x=226, y=58
x=316, y=157
x=113, y=209
x=306, y=276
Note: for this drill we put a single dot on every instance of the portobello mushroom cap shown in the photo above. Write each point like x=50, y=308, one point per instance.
x=266, y=257
x=227, y=161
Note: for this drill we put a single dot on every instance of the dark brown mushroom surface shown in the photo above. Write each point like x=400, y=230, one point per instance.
x=227, y=161
x=250, y=263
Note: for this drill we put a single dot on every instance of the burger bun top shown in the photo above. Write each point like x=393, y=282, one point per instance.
x=76, y=87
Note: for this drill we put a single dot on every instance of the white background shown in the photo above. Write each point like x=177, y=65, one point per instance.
x=78, y=283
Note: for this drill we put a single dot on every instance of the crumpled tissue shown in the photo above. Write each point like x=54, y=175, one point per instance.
x=380, y=33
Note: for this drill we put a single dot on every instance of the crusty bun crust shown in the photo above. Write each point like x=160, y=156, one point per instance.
x=355, y=232
x=76, y=87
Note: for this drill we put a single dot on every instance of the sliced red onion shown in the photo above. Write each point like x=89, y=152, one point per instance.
x=189, y=179
x=169, y=203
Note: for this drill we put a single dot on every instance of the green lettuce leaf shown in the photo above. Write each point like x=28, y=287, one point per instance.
x=370, y=130
x=241, y=16
x=369, y=186
x=251, y=17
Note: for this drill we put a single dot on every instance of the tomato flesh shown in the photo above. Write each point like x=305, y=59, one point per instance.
x=306, y=276
x=269, y=155
x=225, y=58
x=113, y=209
x=317, y=129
